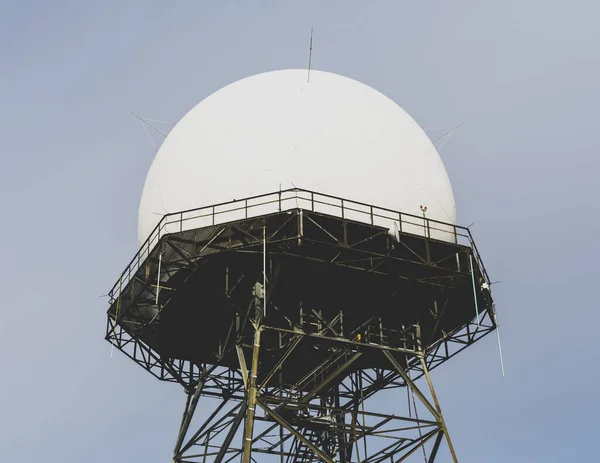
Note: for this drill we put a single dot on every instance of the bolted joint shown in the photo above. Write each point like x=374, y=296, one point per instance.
x=258, y=291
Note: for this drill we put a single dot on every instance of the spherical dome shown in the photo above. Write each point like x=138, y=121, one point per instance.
x=276, y=131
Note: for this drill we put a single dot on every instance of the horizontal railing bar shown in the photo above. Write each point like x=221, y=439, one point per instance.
x=314, y=198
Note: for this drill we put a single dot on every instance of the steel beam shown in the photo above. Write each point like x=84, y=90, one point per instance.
x=439, y=410
x=230, y=435
x=187, y=417
x=293, y=431
x=412, y=385
x=252, y=392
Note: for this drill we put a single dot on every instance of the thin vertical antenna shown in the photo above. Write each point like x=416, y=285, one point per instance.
x=498, y=336
x=448, y=132
x=145, y=121
x=310, y=52
x=474, y=291
x=500, y=350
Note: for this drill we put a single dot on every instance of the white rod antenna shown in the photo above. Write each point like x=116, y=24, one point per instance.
x=474, y=290
x=310, y=52
x=448, y=132
x=498, y=337
x=158, y=278
x=144, y=121
x=160, y=122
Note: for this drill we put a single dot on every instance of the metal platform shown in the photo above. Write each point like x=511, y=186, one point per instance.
x=347, y=298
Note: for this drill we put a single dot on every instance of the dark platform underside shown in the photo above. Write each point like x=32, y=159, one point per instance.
x=318, y=267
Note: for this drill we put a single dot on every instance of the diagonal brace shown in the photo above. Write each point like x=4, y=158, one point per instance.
x=292, y=431
x=412, y=385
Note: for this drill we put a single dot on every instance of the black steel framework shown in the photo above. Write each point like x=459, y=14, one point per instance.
x=287, y=313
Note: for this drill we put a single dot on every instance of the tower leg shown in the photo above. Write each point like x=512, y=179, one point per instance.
x=436, y=446
x=325, y=419
x=190, y=408
x=251, y=382
x=434, y=408
x=439, y=410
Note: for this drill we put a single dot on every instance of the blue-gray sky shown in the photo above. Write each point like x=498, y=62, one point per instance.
x=524, y=75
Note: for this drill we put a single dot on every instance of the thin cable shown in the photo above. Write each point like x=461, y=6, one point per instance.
x=160, y=122
x=149, y=137
x=448, y=132
x=145, y=121
x=444, y=142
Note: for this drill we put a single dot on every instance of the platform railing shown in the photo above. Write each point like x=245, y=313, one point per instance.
x=296, y=198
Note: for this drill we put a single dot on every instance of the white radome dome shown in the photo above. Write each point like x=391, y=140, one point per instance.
x=276, y=130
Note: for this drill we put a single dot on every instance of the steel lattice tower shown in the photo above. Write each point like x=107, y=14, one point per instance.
x=285, y=324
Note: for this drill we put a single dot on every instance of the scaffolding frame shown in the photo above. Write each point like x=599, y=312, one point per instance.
x=321, y=417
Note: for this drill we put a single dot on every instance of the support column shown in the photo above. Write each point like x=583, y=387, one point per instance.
x=439, y=410
x=251, y=382
x=190, y=408
x=434, y=408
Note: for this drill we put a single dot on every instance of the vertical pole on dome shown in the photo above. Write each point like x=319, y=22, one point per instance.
x=310, y=52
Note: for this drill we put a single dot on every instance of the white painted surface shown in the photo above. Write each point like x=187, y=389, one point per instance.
x=333, y=135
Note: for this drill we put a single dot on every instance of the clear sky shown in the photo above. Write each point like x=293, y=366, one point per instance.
x=524, y=76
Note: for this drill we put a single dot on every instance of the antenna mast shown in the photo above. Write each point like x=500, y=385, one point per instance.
x=310, y=52
x=145, y=121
